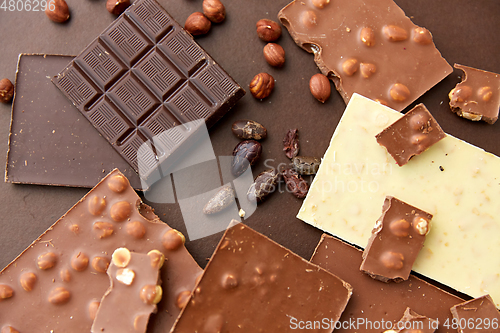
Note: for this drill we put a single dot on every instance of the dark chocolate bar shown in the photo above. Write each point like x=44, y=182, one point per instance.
x=144, y=83
x=252, y=284
x=56, y=284
x=411, y=135
x=50, y=143
x=396, y=240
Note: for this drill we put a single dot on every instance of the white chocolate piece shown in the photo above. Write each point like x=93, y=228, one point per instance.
x=456, y=182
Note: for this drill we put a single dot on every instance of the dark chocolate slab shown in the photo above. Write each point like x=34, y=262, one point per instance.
x=143, y=82
x=51, y=143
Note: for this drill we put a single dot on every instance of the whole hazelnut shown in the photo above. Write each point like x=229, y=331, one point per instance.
x=116, y=7
x=274, y=54
x=320, y=87
x=6, y=91
x=214, y=10
x=57, y=11
x=197, y=24
x=268, y=30
x=261, y=85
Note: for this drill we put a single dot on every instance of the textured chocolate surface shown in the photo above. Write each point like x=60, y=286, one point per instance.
x=368, y=47
x=58, y=277
x=413, y=322
x=477, y=97
x=411, y=135
x=477, y=315
x=29, y=210
x=376, y=301
x=140, y=80
x=252, y=284
x=51, y=143
x=396, y=240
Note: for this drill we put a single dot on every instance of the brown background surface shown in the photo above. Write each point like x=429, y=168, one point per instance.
x=464, y=31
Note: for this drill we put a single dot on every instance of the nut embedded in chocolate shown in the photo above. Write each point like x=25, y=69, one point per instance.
x=116, y=7
x=274, y=54
x=214, y=10
x=261, y=85
x=6, y=91
x=28, y=280
x=57, y=11
x=268, y=30
x=197, y=24
x=320, y=87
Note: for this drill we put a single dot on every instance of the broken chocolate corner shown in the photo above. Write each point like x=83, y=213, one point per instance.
x=411, y=135
x=478, y=313
x=477, y=97
x=412, y=322
x=396, y=240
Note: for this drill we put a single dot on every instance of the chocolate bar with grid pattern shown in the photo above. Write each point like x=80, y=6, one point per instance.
x=144, y=83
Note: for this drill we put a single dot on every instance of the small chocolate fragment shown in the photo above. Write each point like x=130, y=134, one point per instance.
x=291, y=143
x=412, y=322
x=248, y=129
x=396, y=240
x=147, y=86
x=295, y=183
x=220, y=201
x=245, y=154
x=411, y=135
x=124, y=307
x=477, y=97
x=247, y=272
x=6, y=91
x=306, y=165
x=477, y=315
x=263, y=186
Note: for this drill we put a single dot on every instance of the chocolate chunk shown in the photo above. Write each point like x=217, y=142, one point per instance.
x=67, y=264
x=477, y=315
x=71, y=153
x=247, y=273
x=133, y=294
x=411, y=135
x=291, y=143
x=396, y=240
x=413, y=322
x=371, y=301
x=144, y=83
x=477, y=97
x=368, y=47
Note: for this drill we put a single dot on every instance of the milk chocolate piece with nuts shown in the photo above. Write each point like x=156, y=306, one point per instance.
x=252, y=284
x=477, y=97
x=367, y=46
x=396, y=240
x=135, y=289
x=477, y=315
x=411, y=135
x=61, y=277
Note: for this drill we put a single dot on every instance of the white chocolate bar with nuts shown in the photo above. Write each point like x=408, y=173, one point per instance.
x=456, y=182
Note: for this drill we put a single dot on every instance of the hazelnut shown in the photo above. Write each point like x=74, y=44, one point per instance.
x=422, y=36
x=121, y=257
x=136, y=229
x=399, y=92
x=421, y=225
x=74, y=228
x=96, y=205
x=103, y=229
x=214, y=10
x=118, y=183
x=268, y=30
x=460, y=94
x=400, y=228
x=151, y=294
x=274, y=54
x=100, y=264
x=350, y=66
x=57, y=11
x=367, y=36
x=261, y=85
x=367, y=69
x=157, y=258
x=65, y=275
x=395, y=33
x=9, y=329
x=6, y=91
x=320, y=87
x=79, y=262
x=47, y=260
x=116, y=7
x=125, y=276
x=183, y=299
x=308, y=19
x=59, y=295
x=485, y=93
x=120, y=211
x=320, y=3
x=28, y=280
x=229, y=282
x=93, y=307
x=5, y=291
x=172, y=240
x=197, y=24
x=392, y=260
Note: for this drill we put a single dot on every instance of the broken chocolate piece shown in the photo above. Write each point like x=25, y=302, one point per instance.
x=396, y=240
x=477, y=97
x=62, y=274
x=145, y=84
x=477, y=315
x=411, y=135
x=249, y=272
x=134, y=292
x=413, y=322
x=368, y=47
